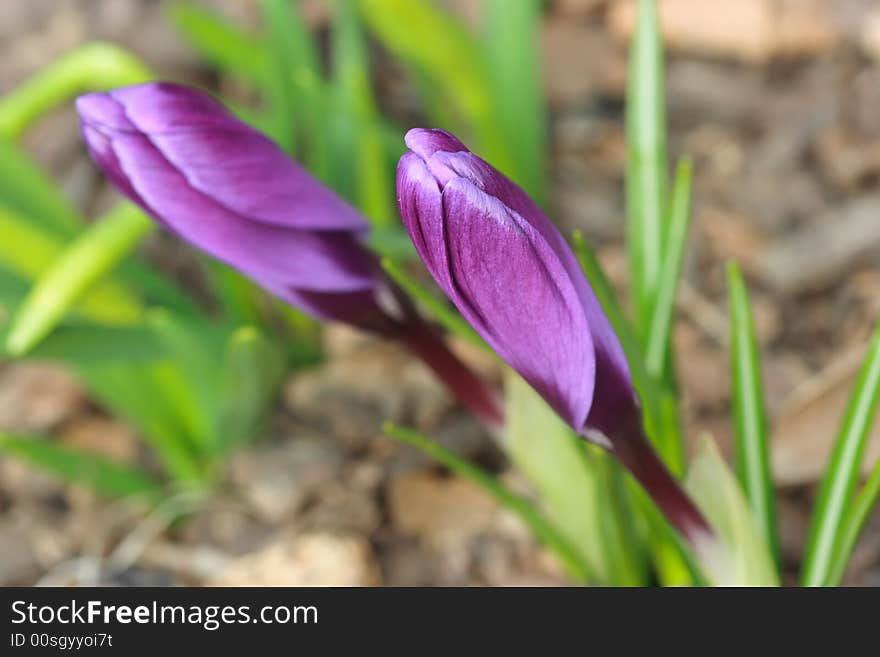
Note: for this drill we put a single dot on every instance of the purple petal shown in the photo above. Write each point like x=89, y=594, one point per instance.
x=421, y=207
x=425, y=142
x=612, y=370
x=220, y=156
x=316, y=260
x=509, y=284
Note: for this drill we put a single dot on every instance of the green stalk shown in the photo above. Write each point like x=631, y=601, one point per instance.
x=750, y=416
x=94, y=253
x=855, y=522
x=543, y=529
x=646, y=169
x=839, y=483
x=660, y=330
x=93, y=67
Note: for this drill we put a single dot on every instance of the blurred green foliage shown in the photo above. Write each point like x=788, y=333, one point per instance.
x=195, y=375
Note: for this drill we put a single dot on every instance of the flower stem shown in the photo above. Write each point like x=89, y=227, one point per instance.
x=633, y=450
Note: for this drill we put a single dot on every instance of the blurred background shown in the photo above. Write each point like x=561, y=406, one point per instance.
x=777, y=102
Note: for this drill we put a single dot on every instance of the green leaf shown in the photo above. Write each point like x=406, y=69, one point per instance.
x=839, y=483
x=139, y=395
x=86, y=260
x=92, y=343
x=551, y=457
x=646, y=167
x=27, y=191
x=94, y=66
x=511, y=42
x=191, y=388
x=544, y=530
x=254, y=366
x=232, y=50
x=447, y=62
x=437, y=309
x=659, y=404
x=293, y=74
x=238, y=296
x=362, y=171
x=658, y=349
x=27, y=251
x=855, y=522
x=750, y=417
x=100, y=474
x=740, y=556
x=619, y=531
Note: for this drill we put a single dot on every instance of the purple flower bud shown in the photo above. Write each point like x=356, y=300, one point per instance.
x=230, y=191
x=513, y=277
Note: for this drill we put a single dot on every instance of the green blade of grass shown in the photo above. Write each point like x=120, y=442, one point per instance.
x=625, y=555
x=88, y=258
x=543, y=529
x=739, y=555
x=100, y=474
x=190, y=386
x=362, y=169
x=841, y=477
x=27, y=251
x=93, y=343
x=511, y=41
x=749, y=414
x=93, y=67
x=253, y=368
x=447, y=62
x=855, y=522
x=659, y=405
x=292, y=74
x=27, y=191
x=646, y=168
x=546, y=451
x=436, y=308
x=658, y=349
x=138, y=394
x=229, y=48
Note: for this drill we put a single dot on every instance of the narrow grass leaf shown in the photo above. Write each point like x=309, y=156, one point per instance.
x=138, y=394
x=358, y=138
x=856, y=519
x=575, y=483
x=93, y=343
x=542, y=528
x=27, y=250
x=102, y=475
x=658, y=349
x=646, y=166
x=741, y=555
x=73, y=272
x=292, y=76
x=659, y=404
x=253, y=368
x=447, y=63
x=27, y=191
x=839, y=482
x=511, y=42
x=224, y=44
x=750, y=417
x=94, y=66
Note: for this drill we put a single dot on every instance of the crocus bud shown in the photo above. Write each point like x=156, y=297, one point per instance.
x=513, y=277
x=231, y=192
